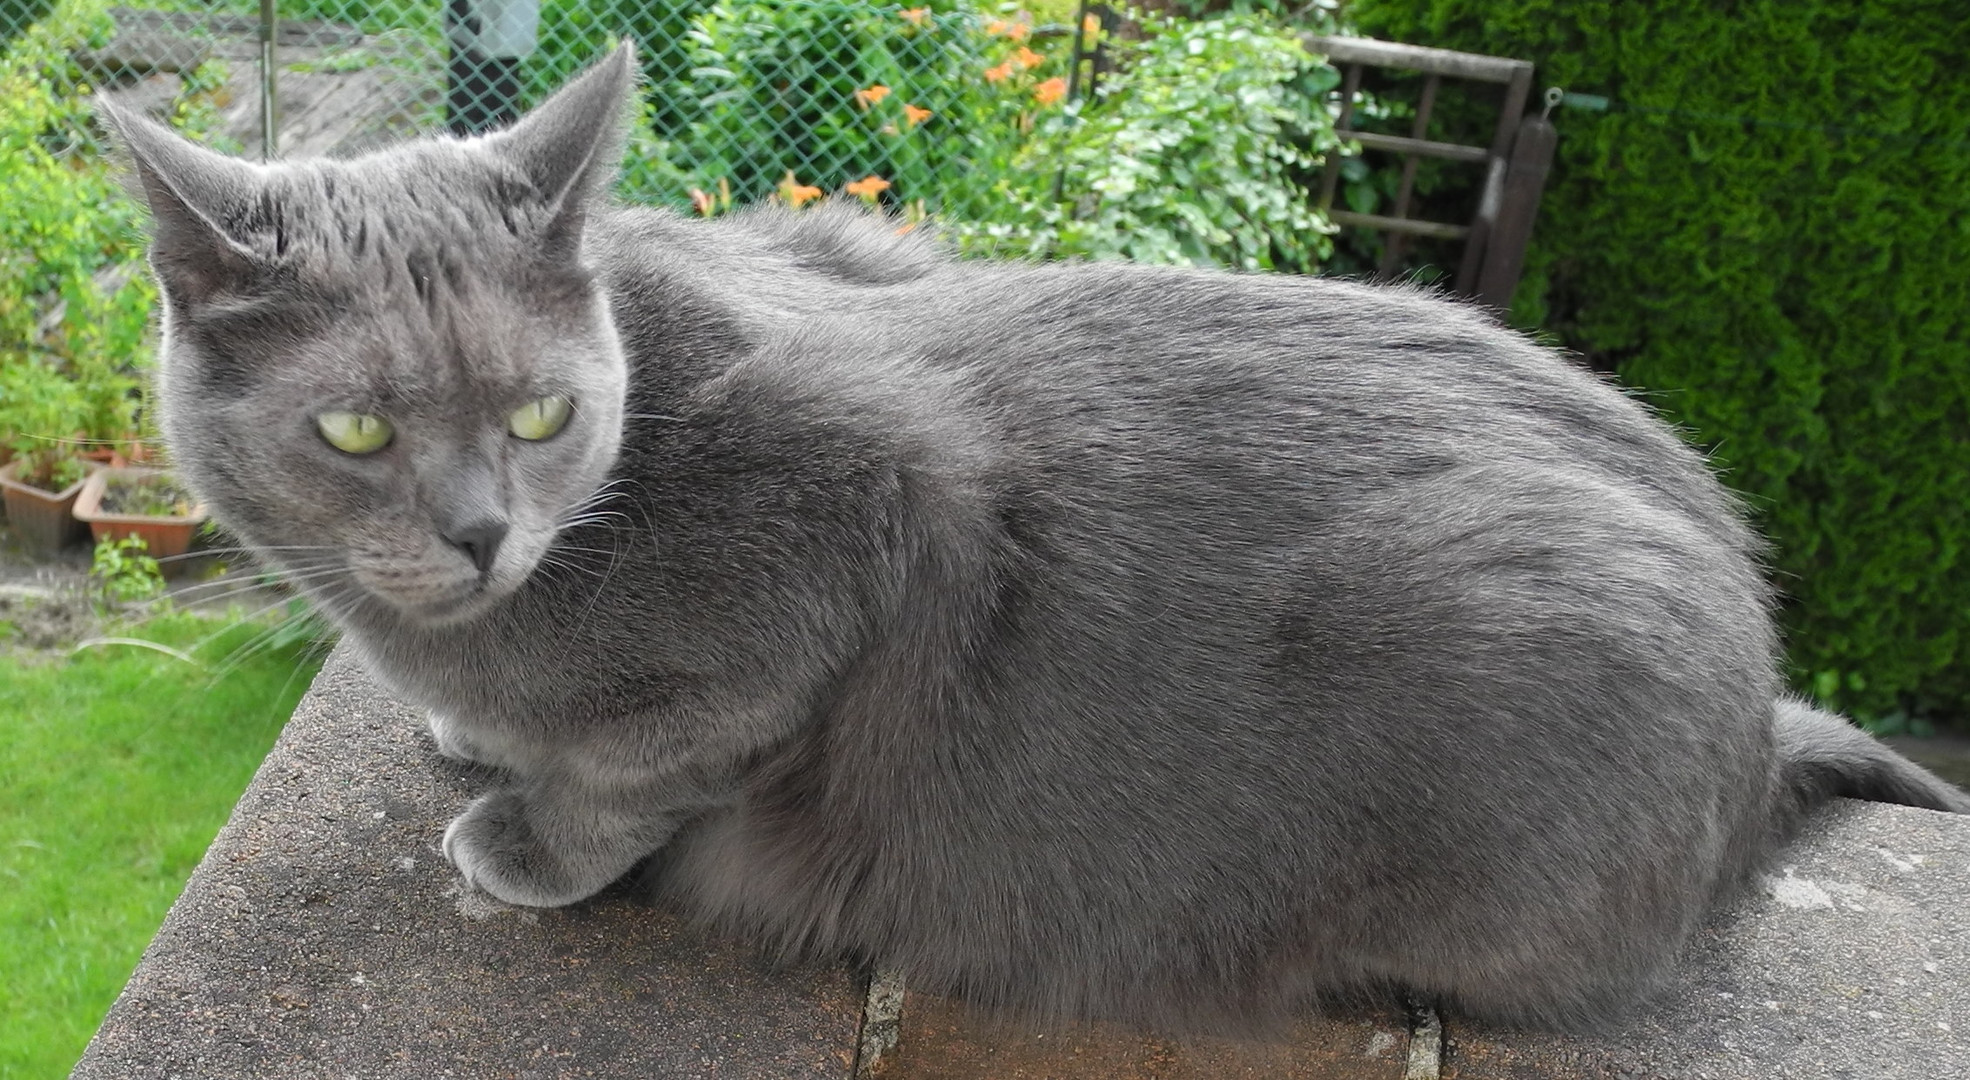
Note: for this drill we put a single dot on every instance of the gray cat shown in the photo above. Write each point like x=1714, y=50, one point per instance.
x=1083, y=640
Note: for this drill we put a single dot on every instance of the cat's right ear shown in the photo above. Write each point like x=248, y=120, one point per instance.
x=191, y=192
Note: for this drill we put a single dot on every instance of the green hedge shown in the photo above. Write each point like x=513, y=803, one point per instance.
x=1769, y=231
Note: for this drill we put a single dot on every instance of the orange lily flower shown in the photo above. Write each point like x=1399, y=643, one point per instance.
x=868, y=187
x=796, y=193
x=915, y=16
x=1027, y=58
x=1000, y=73
x=912, y=115
x=871, y=96
x=1050, y=91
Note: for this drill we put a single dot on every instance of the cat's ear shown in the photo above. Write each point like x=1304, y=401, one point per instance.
x=192, y=192
x=569, y=147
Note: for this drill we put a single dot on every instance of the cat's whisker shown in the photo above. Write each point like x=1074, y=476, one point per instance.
x=611, y=489
x=306, y=657
x=206, y=594
x=602, y=518
x=269, y=638
x=297, y=566
x=592, y=514
x=615, y=559
x=221, y=552
x=249, y=617
x=215, y=592
x=589, y=507
x=561, y=564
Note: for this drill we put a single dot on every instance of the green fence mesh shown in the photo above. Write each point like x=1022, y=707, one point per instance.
x=745, y=99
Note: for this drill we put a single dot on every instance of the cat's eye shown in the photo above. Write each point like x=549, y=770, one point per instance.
x=537, y=420
x=355, y=433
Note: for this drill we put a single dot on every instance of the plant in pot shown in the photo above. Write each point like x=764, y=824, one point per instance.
x=42, y=414
x=145, y=502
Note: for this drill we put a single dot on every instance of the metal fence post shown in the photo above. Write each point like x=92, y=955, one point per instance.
x=269, y=129
x=489, y=39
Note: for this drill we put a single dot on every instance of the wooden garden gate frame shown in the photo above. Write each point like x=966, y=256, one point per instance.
x=1516, y=162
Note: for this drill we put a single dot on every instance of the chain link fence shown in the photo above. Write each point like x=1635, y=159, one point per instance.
x=744, y=99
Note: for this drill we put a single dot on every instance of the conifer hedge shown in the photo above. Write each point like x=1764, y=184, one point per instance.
x=1768, y=232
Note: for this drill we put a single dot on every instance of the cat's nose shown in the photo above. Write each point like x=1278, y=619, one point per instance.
x=479, y=540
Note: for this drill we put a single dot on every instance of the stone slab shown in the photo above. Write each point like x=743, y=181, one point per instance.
x=941, y=1040
x=324, y=935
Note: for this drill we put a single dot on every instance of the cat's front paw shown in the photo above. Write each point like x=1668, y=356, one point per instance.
x=460, y=743
x=496, y=848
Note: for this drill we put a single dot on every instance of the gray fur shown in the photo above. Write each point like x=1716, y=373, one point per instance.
x=1085, y=640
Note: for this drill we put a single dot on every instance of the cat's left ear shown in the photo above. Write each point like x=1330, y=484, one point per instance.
x=570, y=146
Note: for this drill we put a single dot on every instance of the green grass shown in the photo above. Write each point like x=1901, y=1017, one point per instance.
x=117, y=766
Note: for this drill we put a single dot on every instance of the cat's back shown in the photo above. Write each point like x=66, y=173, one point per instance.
x=1161, y=403
x=1287, y=389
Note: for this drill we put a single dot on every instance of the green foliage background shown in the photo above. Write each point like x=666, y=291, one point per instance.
x=1197, y=150
x=1769, y=231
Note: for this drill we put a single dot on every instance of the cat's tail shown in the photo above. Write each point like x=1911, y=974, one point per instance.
x=1823, y=756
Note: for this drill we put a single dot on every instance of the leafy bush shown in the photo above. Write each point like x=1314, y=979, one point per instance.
x=42, y=422
x=74, y=310
x=1197, y=151
x=799, y=94
x=1766, y=231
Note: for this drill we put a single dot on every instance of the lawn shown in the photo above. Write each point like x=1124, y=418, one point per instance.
x=117, y=766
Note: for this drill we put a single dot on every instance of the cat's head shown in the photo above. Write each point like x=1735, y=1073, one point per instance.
x=394, y=375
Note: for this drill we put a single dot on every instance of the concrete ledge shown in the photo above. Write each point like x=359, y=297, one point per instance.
x=323, y=936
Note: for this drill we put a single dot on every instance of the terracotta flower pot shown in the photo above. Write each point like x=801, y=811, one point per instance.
x=163, y=536
x=41, y=519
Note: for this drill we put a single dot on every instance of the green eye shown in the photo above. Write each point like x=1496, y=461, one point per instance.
x=354, y=433
x=537, y=420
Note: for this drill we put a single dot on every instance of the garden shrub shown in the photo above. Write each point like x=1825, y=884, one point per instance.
x=788, y=95
x=70, y=241
x=1198, y=150
x=1766, y=234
